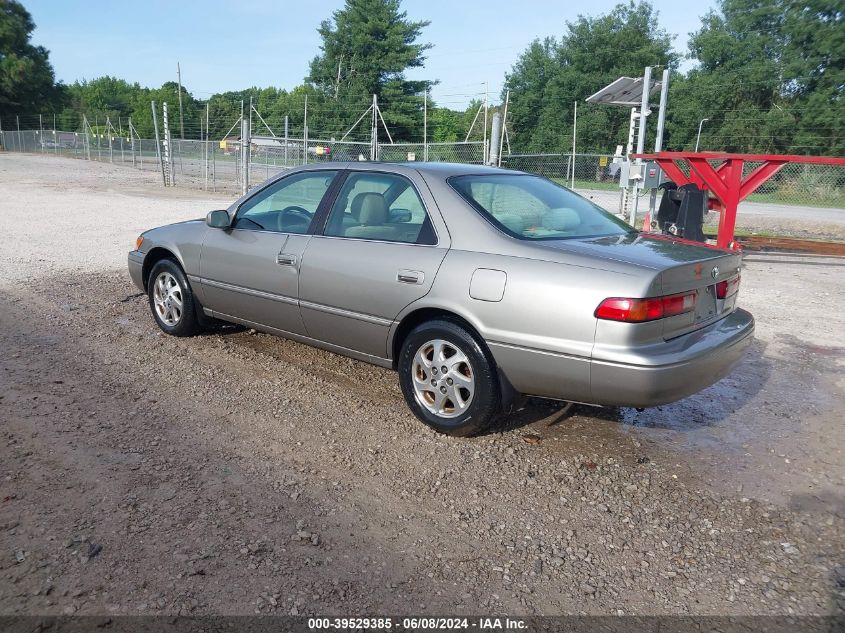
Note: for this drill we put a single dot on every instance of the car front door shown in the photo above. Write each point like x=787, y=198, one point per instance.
x=250, y=272
x=379, y=251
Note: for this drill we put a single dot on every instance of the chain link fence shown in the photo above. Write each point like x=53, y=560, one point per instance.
x=596, y=176
x=217, y=165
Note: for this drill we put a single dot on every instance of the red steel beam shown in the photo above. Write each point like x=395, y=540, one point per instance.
x=725, y=182
x=813, y=160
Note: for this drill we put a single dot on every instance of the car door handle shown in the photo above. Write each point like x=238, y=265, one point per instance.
x=410, y=276
x=286, y=259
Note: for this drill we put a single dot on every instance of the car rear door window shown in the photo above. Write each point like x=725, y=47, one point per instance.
x=286, y=206
x=534, y=208
x=380, y=206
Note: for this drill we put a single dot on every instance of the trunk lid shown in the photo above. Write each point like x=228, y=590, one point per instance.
x=680, y=266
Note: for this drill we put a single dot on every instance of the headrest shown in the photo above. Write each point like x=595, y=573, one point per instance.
x=373, y=208
x=355, y=207
x=561, y=219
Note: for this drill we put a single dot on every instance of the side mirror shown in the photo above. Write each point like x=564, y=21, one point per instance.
x=218, y=219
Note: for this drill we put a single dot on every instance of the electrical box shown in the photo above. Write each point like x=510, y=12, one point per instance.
x=630, y=174
x=652, y=175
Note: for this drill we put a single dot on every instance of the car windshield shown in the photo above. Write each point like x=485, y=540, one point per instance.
x=534, y=208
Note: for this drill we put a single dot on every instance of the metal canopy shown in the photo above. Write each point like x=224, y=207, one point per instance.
x=625, y=91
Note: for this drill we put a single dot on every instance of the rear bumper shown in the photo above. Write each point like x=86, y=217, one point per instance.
x=632, y=377
x=679, y=368
x=135, y=261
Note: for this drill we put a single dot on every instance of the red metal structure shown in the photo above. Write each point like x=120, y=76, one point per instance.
x=726, y=182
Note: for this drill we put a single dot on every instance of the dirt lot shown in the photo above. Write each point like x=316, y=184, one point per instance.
x=238, y=473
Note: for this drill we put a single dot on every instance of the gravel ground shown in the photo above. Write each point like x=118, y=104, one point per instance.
x=237, y=473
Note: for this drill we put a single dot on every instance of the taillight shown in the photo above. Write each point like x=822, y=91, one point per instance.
x=727, y=288
x=640, y=310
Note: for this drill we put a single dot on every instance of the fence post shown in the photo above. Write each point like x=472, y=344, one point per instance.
x=245, y=143
x=158, y=143
x=111, y=139
x=496, y=131
x=207, y=106
x=20, y=140
x=132, y=142
x=85, y=128
x=286, y=140
x=55, y=137
x=41, y=132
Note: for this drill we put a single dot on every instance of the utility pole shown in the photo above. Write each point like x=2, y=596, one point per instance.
x=207, y=146
x=286, y=140
x=486, y=149
x=245, y=147
x=179, y=82
x=574, y=130
x=425, y=125
x=305, y=133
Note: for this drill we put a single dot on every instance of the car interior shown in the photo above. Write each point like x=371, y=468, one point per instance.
x=380, y=207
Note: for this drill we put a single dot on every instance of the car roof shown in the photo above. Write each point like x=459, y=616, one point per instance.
x=440, y=170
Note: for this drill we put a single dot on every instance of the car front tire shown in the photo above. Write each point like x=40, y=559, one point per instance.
x=171, y=299
x=449, y=379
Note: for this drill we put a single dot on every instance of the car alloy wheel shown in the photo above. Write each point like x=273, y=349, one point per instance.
x=168, y=299
x=444, y=382
x=448, y=378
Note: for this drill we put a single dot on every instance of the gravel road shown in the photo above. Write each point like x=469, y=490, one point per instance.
x=240, y=473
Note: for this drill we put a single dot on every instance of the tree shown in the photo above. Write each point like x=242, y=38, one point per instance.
x=367, y=47
x=551, y=75
x=770, y=77
x=27, y=82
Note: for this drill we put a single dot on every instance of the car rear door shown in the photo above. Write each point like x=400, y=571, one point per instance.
x=379, y=251
x=250, y=272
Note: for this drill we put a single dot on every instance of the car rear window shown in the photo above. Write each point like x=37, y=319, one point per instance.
x=534, y=208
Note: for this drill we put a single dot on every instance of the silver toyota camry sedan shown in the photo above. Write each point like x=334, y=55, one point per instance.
x=476, y=284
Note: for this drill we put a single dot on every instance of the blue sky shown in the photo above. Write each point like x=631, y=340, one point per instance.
x=224, y=45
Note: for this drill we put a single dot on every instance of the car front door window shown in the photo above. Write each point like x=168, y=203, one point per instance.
x=286, y=206
x=380, y=206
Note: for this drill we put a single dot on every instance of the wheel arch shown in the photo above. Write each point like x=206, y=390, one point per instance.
x=421, y=315
x=510, y=397
x=154, y=256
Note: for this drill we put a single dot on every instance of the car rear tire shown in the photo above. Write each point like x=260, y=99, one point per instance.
x=449, y=379
x=171, y=299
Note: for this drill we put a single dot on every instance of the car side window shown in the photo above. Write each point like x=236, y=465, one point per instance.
x=380, y=206
x=286, y=206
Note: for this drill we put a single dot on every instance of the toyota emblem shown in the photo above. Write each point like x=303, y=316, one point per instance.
x=715, y=272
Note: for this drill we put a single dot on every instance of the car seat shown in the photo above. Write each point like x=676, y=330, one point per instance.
x=372, y=217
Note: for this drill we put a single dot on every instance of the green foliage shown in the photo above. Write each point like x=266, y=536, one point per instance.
x=770, y=77
x=27, y=82
x=551, y=75
x=367, y=47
